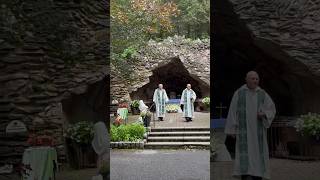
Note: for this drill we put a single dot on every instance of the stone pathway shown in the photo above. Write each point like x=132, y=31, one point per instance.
x=281, y=169
x=176, y=120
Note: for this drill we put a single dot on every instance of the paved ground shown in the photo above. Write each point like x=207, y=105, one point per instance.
x=281, y=169
x=187, y=165
x=83, y=174
x=160, y=165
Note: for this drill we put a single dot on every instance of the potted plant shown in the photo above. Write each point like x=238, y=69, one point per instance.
x=146, y=116
x=309, y=124
x=309, y=127
x=80, y=152
x=134, y=107
x=206, y=103
x=105, y=170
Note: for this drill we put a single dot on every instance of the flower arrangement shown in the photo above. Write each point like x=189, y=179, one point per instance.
x=309, y=124
x=206, y=101
x=81, y=132
x=172, y=108
x=40, y=139
x=117, y=121
x=123, y=104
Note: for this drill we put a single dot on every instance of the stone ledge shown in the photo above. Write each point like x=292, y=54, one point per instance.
x=127, y=145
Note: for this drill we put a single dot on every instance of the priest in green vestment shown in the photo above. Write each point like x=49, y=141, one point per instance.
x=187, y=99
x=160, y=98
x=251, y=112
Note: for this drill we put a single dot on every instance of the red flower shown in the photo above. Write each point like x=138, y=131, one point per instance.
x=118, y=121
x=123, y=105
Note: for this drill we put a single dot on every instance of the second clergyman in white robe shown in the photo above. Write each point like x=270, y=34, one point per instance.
x=187, y=99
x=252, y=156
x=160, y=98
x=101, y=145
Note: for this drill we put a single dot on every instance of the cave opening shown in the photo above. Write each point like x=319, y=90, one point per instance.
x=174, y=76
x=89, y=106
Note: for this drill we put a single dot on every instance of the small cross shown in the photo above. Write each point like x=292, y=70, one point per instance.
x=221, y=107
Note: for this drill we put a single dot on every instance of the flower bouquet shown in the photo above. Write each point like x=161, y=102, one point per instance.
x=40, y=140
x=117, y=121
x=172, y=108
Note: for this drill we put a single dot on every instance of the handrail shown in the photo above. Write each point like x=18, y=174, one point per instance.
x=154, y=122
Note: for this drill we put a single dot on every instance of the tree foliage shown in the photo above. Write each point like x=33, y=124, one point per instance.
x=194, y=19
x=134, y=22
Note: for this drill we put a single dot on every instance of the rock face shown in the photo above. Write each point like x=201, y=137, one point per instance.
x=118, y=88
x=50, y=51
x=162, y=62
x=293, y=25
x=278, y=39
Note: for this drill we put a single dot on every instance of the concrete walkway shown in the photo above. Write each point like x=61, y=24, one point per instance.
x=160, y=165
x=188, y=165
x=281, y=169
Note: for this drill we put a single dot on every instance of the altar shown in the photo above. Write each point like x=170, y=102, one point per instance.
x=173, y=101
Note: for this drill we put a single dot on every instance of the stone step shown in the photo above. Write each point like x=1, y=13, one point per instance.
x=180, y=133
x=170, y=129
x=179, y=139
x=177, y=145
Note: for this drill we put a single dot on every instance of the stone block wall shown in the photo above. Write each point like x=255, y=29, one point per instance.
x=49, y=51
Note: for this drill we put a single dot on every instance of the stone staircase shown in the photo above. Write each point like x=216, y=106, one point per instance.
x=178, y=138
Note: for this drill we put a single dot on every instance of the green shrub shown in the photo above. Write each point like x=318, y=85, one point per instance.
x=309, y=124
x=135, y=132
x=81, y=132
x=128, y=52
x=131, y=132
x=114, y=133
x=123, y=133
x=206, y=101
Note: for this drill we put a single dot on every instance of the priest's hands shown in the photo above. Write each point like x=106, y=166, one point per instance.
x=232, y=135
x=261, y=115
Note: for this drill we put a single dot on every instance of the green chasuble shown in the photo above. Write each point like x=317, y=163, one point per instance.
x=252, y=156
